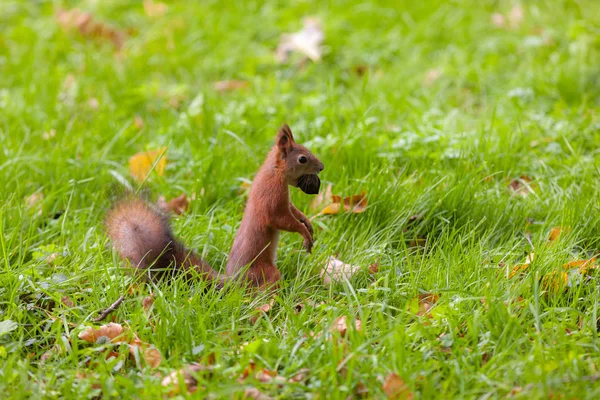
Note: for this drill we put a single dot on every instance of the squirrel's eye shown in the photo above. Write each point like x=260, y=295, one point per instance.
x=302, y=160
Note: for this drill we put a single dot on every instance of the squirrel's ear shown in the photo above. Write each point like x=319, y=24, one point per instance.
x=284, y=139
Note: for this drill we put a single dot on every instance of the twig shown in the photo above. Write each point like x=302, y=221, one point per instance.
x=110, y=309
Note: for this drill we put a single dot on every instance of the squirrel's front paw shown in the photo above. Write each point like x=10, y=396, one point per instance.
x=308, y=226
x=308, y=244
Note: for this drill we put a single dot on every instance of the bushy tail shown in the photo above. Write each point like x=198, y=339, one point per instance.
x=141, y=234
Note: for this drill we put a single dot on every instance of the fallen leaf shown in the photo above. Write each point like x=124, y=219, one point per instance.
x=555, y=281
x=226, y=86
x=254, y=393
x=374, y=268
x=267, y=376
x=555, y=234
x=151, y=355
x=140, y=164
x=117, y=334
x=177, y=205
x=395, y=388
x=300, y=376
x=340, y=325
x=306, y=41
x=337, y=271
x=89, y=27
x=584, y=266
x=519, y=268
x=356, y=204
x=423, y=303
x=112, y=331
x=155, y=9
x=66, y=300
x=521, y=186
x=147, y=302
x=188, y=374
x=247, y=371
x=261, y=310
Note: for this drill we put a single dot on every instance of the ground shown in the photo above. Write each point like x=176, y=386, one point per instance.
x=472, y=126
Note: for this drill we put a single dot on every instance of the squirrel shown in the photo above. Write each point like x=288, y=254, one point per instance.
x=141, y=234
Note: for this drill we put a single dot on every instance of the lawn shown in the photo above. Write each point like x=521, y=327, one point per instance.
x=472, y=126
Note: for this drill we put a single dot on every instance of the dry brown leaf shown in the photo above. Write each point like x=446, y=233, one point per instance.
x=177, y=205
x=337, y=271
x=267, y=376
x=187, y=373
x=254, y=393
x=147, y=302
x=247, y=371
x=395, y=388
x=356, y=204
x=306, y=41
x=374, y=268
x=155, y=9
x=259, y=311
x=89, y=27
x=340, y=325
x=117, y=334
x=112, y=331
x=426, y=302
x=227, y=86
x=140, y=164
x=521, y=186
x=66, y=300
x=300, y=376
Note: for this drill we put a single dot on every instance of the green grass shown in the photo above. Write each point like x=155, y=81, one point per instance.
x=508, y=102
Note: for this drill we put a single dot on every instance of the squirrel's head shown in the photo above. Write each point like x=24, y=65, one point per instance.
x=296, y=159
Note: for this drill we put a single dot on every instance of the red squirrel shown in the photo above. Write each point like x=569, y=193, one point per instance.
x=141, y=233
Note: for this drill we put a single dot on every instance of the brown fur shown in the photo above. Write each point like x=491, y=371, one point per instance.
x=270, y=210
x=141, y=234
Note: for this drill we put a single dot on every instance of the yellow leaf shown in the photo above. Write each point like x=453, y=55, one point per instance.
x=356, y=204
x=140, y=164
x=555, y=234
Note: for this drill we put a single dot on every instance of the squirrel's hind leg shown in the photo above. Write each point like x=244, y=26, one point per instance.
x=264, y=276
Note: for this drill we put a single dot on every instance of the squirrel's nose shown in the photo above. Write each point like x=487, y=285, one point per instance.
x=321, y=167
